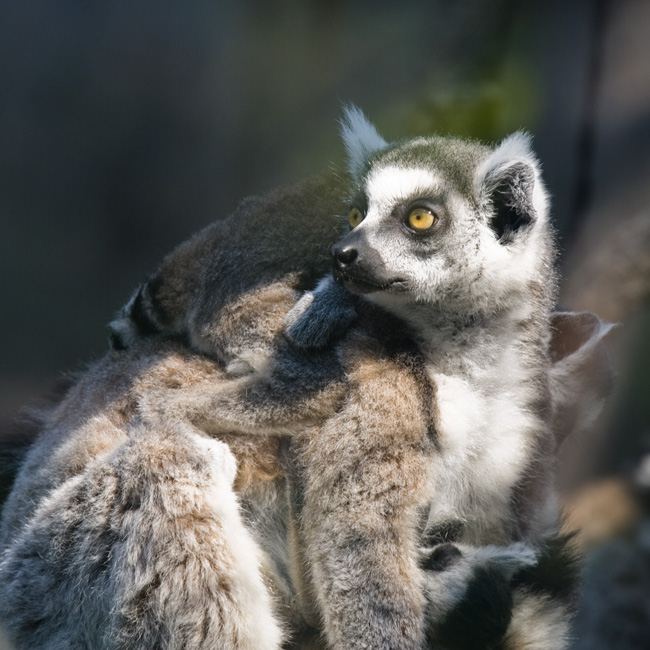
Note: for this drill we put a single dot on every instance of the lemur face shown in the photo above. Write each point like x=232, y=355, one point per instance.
x=408, y=232
x=443, y=222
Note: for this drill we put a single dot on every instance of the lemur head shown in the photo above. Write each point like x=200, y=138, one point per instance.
x=442, y=221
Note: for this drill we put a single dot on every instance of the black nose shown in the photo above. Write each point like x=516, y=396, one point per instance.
x=344, y=257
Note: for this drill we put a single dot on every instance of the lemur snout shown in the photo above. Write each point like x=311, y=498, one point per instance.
x=345, y=253
x=344, y=256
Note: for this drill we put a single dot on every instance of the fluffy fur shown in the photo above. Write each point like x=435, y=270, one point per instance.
x=360, y=138
x=131, y=553
x=428, y=422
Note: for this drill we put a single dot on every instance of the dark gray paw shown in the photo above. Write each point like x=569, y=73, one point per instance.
x=321, y=316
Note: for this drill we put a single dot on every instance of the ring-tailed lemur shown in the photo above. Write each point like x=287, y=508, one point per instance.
x=392, y=445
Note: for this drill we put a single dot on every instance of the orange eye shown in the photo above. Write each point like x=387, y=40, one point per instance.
x=421, y=219
x=355, y=217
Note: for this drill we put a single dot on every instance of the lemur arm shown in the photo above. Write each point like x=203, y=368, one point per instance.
x=299, y=389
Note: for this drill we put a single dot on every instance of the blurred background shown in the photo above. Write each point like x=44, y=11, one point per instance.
x=127, y=125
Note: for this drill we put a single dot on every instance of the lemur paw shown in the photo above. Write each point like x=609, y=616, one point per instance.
x=321, y=316
x=248, y=363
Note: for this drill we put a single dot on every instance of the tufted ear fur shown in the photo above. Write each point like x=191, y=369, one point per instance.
x=510, y=185
x=360, y=138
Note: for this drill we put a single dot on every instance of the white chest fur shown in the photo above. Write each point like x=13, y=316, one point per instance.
x=485, y=445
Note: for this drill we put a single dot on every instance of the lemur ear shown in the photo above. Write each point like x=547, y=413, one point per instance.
x=511, y=188
x=582, y=376
x=360, y=138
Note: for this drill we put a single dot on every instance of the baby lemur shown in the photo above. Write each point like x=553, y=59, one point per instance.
x=419, y=423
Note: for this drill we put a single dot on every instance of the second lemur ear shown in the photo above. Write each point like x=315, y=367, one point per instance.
x=510, y=187
x=360, y=138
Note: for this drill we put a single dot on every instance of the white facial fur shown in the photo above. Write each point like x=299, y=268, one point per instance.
x=462, y=268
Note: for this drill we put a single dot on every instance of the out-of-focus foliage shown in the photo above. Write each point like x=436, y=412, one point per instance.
x=484, y=110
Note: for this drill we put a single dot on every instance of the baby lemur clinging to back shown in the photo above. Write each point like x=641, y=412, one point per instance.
x=428, y=422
